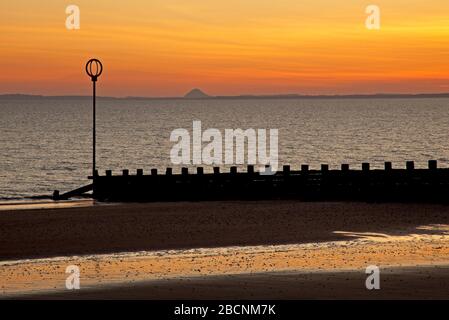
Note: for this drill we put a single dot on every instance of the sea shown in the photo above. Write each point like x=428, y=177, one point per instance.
x=46, y=142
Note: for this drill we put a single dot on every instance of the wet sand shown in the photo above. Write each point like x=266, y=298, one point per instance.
x=160, y=226
x=234, y=250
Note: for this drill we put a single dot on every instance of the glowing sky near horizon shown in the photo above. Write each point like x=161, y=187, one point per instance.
x=167, y=47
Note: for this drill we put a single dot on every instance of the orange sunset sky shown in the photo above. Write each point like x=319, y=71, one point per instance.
x=167, y=47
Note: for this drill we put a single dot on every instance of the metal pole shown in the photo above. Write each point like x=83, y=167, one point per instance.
x=94, y=73
x=94, y=131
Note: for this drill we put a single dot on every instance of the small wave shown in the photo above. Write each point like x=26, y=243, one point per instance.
x=11, y=198
x=26, y=198
x=43, y=197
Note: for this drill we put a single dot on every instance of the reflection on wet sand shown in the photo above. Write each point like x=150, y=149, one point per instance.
x=422, y=233
x=45, y=204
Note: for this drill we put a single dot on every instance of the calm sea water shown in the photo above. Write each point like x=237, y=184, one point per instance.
x=46, y=143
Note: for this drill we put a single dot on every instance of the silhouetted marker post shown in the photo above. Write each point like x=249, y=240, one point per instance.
x=94, y=68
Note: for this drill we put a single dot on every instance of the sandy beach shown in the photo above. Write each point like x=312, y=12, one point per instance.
x=224, y=250
x=399, y=283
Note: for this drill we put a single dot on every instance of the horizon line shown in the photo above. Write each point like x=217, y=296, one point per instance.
x=241, y=96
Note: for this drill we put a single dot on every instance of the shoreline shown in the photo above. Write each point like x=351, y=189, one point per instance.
x=34, y=204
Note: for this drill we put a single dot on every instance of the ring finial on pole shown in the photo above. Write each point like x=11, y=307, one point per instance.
x=94, y=68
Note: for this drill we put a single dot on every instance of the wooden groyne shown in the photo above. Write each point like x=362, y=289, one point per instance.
x=362, y=184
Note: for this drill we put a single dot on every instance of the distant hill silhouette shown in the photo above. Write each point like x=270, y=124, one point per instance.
x=196, y=94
